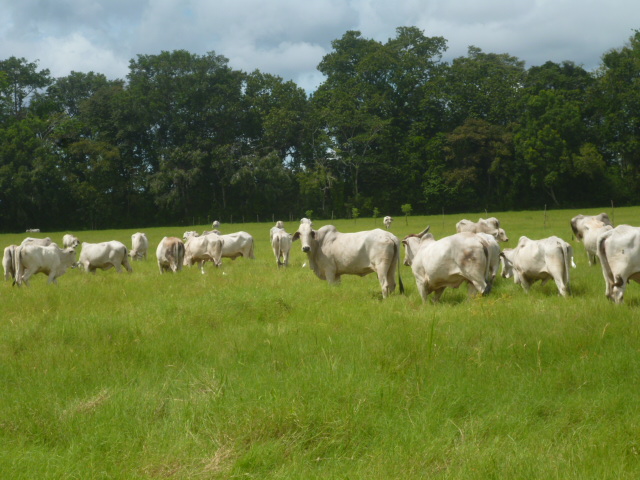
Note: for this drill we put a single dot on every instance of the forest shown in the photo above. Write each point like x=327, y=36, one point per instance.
x=392, y=129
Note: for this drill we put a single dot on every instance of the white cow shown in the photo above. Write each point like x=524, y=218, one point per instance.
x=8, y=262
x=69, y=240
x=32, y=230
x=387, y=222
x=207, y=248
x=170, y=254
x=488, y=225
x=332, y=254
x=281, y=244
x=450, y=261
x=43, y=242
x=139, y=246
x=104, y=256
x=215, y=225
x=189, y=234
x=239, y=244
x=591, y=229
x=51, y=260
x=619, y=254
x=545, y=259
x=577, y=223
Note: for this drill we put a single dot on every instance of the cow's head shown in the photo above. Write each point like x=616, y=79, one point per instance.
x=307, y=236
x=412, y=245
x=501, y=235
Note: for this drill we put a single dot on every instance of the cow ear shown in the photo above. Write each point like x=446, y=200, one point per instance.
x=295, y=237
x=313, y=234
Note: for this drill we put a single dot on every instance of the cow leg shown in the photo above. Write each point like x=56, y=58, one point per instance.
x=202, y=267
x=127, y=265
x=526, y=284
x=331, y=277
x=422, y=289
x=438, y=293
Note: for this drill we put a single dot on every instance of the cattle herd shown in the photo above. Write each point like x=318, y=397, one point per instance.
x=472, y=255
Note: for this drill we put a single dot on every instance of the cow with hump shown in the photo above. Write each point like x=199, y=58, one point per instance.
x=578, y=223
x=488, y=225
x=104, y=256
x=202, y=249
x=170, y=254
x=51, y=260
x=448, y=262
x=619, y=254
x=332, y=254
x=533, y=260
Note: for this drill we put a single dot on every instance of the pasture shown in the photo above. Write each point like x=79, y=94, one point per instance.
x=251, y=371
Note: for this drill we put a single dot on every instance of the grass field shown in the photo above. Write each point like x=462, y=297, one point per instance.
x=253, y=372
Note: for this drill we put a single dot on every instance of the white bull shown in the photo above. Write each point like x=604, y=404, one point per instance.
x=139, y=246
x=591, y=230
x=51, y=260
x=488, y=225
x=281, y=245
x=619, y=255
x=578, y=222
x=8, y=262
x=170, y=254
x=332, y=254
x=387, y=222
x=104, y=256
x=450, y=261
x=533, y=260
x=239, y=244
x=69, y=240
x=206, y=248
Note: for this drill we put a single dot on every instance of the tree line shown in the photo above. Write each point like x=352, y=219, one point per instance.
x=392, y=125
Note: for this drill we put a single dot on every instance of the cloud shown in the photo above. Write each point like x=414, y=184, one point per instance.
x=289, y=37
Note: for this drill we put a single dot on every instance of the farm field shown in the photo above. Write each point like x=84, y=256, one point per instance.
x=251, y=371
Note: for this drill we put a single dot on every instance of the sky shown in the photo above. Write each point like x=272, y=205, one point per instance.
x=288, y=38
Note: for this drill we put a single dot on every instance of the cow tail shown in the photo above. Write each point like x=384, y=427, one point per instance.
x=396, y=247
x=567, y=265
x=18, y=269
x=487, y=269
x=602, y=255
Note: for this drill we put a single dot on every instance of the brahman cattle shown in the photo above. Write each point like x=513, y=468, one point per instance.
x=280, y=243
x=69, y=240
x=387, y=222
x=170, y=254
x=577, y=223
x=619, y=253
x=545, y=259
x=206, y=248
x=332, y=254
x=51, y=260
x=104, y=256
x=450, y=261
x=591, y=229
x=139, y=246
x=43, y=242
x=488, y=225
x=8, y=262
x=239, y=244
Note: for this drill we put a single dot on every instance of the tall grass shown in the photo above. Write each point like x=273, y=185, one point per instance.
x=253, y=371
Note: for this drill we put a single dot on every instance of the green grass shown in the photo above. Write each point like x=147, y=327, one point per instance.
x=254, y=372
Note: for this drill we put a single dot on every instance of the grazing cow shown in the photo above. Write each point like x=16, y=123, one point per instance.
x=619, y=254
x=51, y=260
x=170, y=254
x=489, y=225
x=532, y=260
x=281, y=244
x=32, y=230
x=215, y=225
x=207, y=248
x=139, y=246
x=239, y=244
x=70, y=241
x=387, y=222
x=450, y=261
x=591, y=229
x=189, y=234
x=43, y=242
x=577, y=223
x=332, y=254
x=104, y=256
x=8, y=262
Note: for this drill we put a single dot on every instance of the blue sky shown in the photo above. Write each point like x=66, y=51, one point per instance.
x=289, y=37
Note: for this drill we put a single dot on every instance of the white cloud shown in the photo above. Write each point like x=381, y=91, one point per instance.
x=289, y=37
